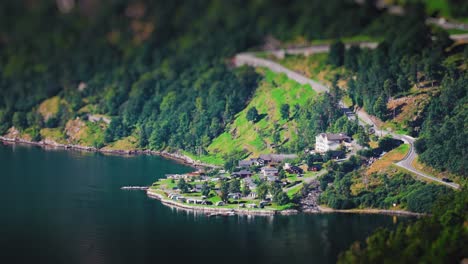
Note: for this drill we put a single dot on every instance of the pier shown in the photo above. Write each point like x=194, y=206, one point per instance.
x=141, y=188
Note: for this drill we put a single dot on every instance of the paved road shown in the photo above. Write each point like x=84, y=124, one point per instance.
x=309, y=50
x=251, y=60
x=407, y=161
x=364, y=119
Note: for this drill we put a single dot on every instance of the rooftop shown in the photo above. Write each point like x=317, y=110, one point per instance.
x=278, y=157
x=334, y=137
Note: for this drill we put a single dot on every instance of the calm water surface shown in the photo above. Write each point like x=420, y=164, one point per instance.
x=67, y=207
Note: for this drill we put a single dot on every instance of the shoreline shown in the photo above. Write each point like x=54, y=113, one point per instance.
x=325, y=210
x=180, y=158
x=267, y=212
x=187, y=161
x=204, y=209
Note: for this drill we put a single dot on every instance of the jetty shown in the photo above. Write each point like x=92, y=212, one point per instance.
x=141, y=188
x=232, y=213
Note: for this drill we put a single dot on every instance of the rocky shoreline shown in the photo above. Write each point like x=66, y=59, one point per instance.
x=371, y=211
x=52, y=144
x=305, y=208
x=266, y=212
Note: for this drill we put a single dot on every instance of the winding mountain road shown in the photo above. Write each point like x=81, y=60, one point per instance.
x=250, y=59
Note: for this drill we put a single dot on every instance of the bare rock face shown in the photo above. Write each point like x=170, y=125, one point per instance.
x=309, y=203
x=13, y=133
x=73, y=129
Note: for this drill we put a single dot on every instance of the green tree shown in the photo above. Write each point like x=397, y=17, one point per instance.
x=380, y=108
x=205, y=189
x=274, y=188
x=262, y=190
x=336, y=54
x=234, y=186
x=276, y=137
x=351, y=58
x=311, y=159
x=387, y=143
x=4, y=122
x=281, y=174
x=143, y=138
x=252, y=114
x=224, y=190
x=389, y=87
x=402, y=83
x=35, y=133
x=183, y=186
x=230, y=163
x=19, y=120
x=284, y=111
x=281, y=198
x=245, y=189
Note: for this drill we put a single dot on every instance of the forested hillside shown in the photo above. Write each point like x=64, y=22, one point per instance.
x=157, y=70
x=156, y=75
x=441, y=238
x=415, y=82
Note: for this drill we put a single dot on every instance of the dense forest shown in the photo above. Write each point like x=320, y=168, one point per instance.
x=420, y=59
x=159, y=70
x=441, y=238
x=342, y=191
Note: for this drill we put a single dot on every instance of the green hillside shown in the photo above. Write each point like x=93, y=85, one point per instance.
x=253, y=138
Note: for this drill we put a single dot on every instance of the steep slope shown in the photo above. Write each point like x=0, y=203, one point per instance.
x=256, y=137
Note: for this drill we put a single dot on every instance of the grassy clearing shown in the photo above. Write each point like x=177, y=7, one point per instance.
x=274, y=90
x=211, y=158
x=86, y=133
x=455, y=31
x=53, y=134
x=407, y=109
x=291, y=192
x=388, y=159
x=441, y=6
x=50, y=107
x=315, y=67
x=167, y=184
x=127, y=143
x=281, y=207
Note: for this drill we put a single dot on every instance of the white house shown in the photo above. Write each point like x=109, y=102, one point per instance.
x=327, y=141
x=269, y=171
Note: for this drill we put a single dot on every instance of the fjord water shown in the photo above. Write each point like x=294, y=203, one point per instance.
x=62, y=206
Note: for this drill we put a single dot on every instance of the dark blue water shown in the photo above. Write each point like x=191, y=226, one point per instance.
x=62, y=206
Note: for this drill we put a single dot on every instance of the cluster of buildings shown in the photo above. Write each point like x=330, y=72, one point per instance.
x=269, y=165
x=266, y=166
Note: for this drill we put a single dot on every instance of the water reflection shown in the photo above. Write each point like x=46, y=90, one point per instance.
x=68, y=207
